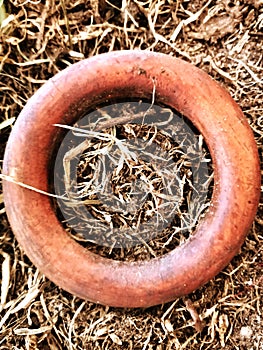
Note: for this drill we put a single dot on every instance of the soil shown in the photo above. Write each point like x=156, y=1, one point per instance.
x=40, y=38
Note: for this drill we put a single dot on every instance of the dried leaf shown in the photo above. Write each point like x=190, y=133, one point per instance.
x=101, y=331
x=168, y=326
x=115, y=339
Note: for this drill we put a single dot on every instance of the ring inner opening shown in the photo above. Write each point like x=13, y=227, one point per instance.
x=134, y=180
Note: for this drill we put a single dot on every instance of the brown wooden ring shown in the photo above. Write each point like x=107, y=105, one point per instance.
x=219, y=235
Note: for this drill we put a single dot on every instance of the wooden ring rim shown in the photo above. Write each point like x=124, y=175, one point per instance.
x=218, y=236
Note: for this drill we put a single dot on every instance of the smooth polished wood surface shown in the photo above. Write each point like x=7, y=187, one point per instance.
x=219, y=235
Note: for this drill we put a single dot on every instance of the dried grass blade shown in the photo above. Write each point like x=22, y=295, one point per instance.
x=5, y=279
x=7, y=123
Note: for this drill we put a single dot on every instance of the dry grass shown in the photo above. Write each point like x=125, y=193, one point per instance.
x=133, y=182
x=37, y=40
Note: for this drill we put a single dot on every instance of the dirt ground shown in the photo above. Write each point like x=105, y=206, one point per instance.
x=39, y=39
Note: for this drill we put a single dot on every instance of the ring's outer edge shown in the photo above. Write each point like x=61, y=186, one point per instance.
x=218, y=236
